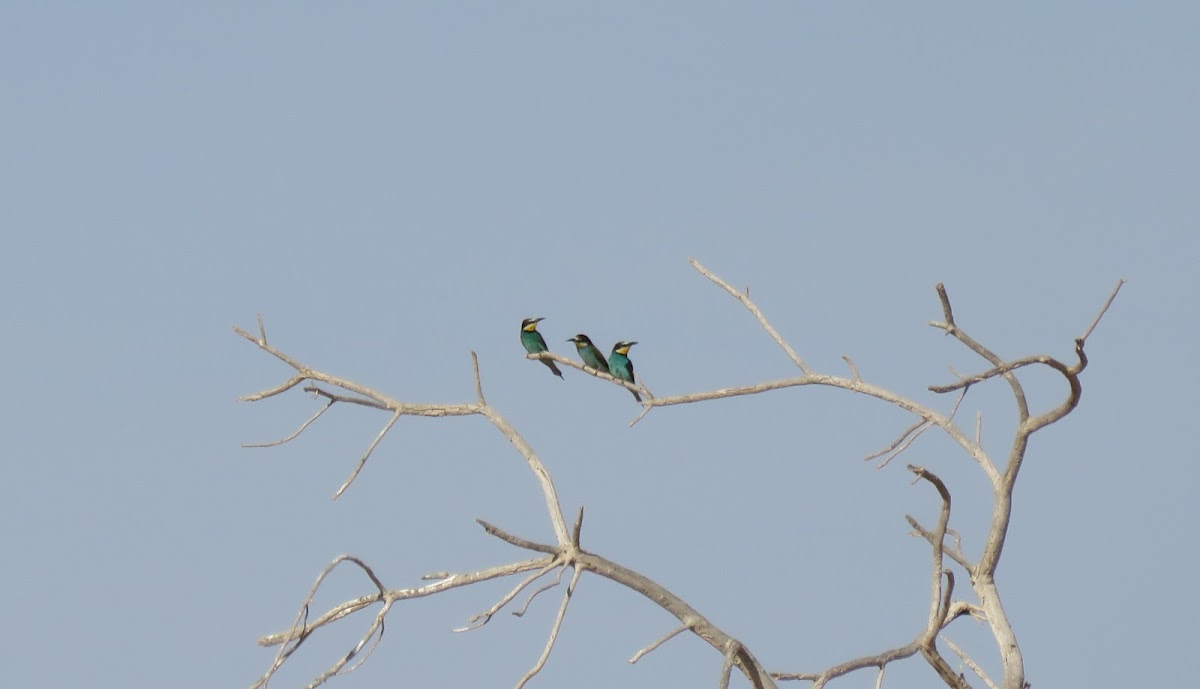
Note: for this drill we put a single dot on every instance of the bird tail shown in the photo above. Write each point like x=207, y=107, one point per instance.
x=553, y=368
x=636, y=396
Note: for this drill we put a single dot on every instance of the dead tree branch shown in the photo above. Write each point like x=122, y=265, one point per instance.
x=566, y=550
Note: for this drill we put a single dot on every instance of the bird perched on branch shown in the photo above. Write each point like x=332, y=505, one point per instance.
x=533, y=342
x=589, y=353
x=620, y=366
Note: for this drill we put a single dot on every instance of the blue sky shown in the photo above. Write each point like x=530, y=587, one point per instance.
x=395, y=185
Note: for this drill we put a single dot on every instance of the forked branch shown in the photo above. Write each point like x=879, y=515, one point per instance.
x=567, y=552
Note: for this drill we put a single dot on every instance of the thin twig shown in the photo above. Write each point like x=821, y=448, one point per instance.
x=896, y=442
x=955, y=553
x=287, y=385
x=952, y=328
x=299, y=430
x=540, y=590
x=366, y=455
x=347, y=608
x=300, y=629
x=969, y=662
x=1104, y=309
x=486, y=616
x=645, y=410
x=659, y=642
x=745, y=299
x=478, y=382
x=578, y=527
x=853, y=368
x=1001, y=369
x=895, y=453
x=503, y=535
x=348, y=399
x=562, y=612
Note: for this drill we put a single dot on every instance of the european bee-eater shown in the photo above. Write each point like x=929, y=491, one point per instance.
x=620, y=366
x=589, y=353
x=533, y=343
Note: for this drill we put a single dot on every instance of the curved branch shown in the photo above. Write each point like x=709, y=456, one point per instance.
x=379, y=400
x=688, y=616
x=928, y=415
x=952, y=328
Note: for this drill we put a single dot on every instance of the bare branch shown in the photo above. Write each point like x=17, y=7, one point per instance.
x=299, y=430
x=541, y=589
x=659, y=642
x=516, y=540
x=970, y=663
x=376, y=399
x=578, y=526
x=937, y=607
x=300, y=630
x=284, y=387
x=645, y=410
x=349, y=399
x=895, y=443
x=366, y=455
x=745, y=299
x=952, y=328
x=486, y=616
x=478, y=382
x=939, y=613
x=926, y=413
x=955, y=553
x=731, y=649
x=553, y=507
x=305, y=372
x=853, y=368
x=819, y=679
x=566, y=550
x=562, y=612
x=595, y=373
x=340, y=665
x=1001, y=370
x=924, y=426
x=347, y=608
x=1103, y=310
x=686, y=614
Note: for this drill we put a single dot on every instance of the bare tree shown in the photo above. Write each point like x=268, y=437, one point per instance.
x=567, y=553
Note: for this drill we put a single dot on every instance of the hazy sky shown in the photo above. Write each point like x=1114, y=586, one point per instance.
x=393, y=185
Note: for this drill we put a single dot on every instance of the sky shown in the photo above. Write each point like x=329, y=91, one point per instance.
x=395, y=185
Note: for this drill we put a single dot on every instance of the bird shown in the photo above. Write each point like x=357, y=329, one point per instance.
x=589, y=353
x=533, y=342
x=621, y=367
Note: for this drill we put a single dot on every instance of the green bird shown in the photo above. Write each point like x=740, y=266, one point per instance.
x=533, y=343
x=620, y=366
x=589, y=353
